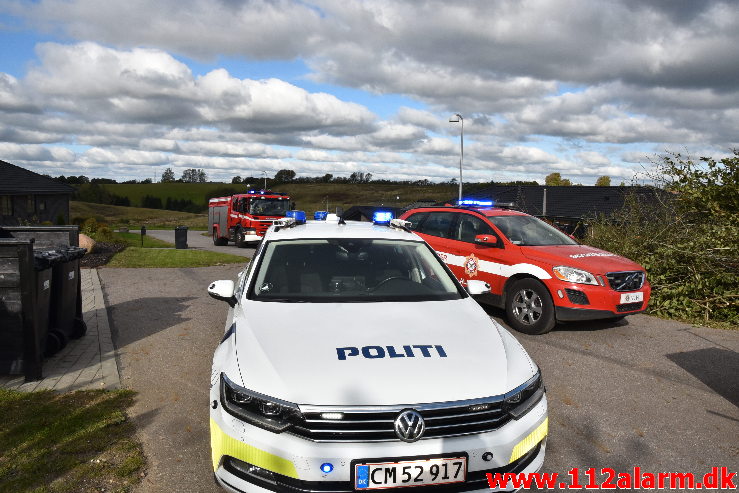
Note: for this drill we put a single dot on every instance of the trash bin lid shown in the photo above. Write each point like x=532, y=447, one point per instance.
x=40, y=261
x=80, y=252
x=53, y=257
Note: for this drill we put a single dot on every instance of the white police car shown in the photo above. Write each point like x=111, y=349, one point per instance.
x=354, y=360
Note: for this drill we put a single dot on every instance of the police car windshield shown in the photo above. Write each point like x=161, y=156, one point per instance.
x=341, y=270
x=269, y=207
x=530, y=231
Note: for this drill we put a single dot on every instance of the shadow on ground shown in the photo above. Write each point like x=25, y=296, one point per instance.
x=717, y=368
x=148, y=315
x=585, y=326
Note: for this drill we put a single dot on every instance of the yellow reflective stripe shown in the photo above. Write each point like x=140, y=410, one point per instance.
x=222, y=444
x=530, y=441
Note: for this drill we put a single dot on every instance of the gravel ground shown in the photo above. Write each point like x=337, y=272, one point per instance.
x=658, y=394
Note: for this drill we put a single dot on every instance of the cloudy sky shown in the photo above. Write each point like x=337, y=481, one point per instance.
x=124, y=89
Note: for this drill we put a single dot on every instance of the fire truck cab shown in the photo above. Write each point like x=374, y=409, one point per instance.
x=244, y=218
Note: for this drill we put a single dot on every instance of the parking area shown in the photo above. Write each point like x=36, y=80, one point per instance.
x=644, y=392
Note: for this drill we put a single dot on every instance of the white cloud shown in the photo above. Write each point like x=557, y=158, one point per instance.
x=657, y=74
x=17, y=152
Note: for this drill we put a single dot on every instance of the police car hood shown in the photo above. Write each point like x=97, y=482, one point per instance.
x=377, y=353
x=583, y=257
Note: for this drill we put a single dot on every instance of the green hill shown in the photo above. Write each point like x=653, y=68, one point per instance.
x=135, y=217
x=307, y=196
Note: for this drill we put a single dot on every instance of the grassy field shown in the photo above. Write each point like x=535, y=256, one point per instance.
x=196, y=192
x=134, y=257
x=312, y=197
x=135, y=217
x=307, y=196
x=70, y=442
x=134, y=240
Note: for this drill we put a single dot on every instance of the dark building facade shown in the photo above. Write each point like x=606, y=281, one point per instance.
x=29, y=198
x=568, y=207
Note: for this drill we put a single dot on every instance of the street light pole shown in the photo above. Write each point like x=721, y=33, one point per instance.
x=265, y=179
x=457, y=118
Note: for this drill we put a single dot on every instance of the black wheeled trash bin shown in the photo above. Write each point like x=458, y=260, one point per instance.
x=180, y=237
x=24, y=298
x=66, y=300
x=43, y=264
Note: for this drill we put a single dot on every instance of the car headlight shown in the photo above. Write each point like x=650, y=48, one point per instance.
x=258, y=409
x=521, y=399
x=570, y=274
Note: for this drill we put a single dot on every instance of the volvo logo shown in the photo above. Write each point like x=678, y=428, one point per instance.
x=409, y=425
x=631, y=281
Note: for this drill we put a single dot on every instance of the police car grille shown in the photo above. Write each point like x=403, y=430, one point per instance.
x=378, y=426
x=625, y=281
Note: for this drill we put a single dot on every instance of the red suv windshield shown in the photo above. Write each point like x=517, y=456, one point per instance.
x=530, y=231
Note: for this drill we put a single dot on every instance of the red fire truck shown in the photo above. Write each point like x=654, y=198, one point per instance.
x=244, y=218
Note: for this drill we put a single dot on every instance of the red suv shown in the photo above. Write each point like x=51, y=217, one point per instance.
x=538, y=274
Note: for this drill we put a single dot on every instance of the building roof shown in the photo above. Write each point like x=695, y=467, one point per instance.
x=15, y=180
x=566, y=201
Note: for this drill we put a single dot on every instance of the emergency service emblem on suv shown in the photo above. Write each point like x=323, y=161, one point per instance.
x=409, y=426
x=470, y=265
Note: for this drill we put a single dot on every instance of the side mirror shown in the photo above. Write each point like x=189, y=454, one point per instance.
x=223, y=291
x=490, y=240
x=477, y=287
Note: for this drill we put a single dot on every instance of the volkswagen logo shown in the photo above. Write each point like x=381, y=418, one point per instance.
x=409, y=425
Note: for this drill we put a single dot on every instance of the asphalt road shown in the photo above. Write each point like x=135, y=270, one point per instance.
x=196, y=241
x=641, y=392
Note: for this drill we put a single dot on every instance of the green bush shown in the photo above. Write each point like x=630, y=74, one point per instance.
x=89, y=226
x=688, y=241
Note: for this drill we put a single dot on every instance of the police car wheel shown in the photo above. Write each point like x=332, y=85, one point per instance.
x=529, y=307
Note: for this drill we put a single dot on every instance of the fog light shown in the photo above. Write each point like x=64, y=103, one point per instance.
x=327, y=467
x=271, y=408
x=487, y=456
x=514, y=399
x=560, y=294
x=240, y=398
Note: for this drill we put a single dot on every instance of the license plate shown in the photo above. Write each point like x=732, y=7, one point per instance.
x=383, y=475
x=632, y=297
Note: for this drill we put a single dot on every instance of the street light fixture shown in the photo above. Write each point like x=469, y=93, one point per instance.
x=457, y=118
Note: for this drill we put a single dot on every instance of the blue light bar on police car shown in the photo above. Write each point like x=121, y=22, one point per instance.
x=320, y=215
x=382, y=217
x=476, y=203
x=299, y=216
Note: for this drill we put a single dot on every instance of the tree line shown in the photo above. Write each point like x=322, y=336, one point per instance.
x=193, y=175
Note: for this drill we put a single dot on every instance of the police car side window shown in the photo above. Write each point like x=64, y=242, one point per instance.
x=437, y=224
x=470, y=226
